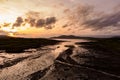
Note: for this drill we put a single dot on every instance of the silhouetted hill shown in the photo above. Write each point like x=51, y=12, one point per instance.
x=117, y=37
x=4, y=36
x=72, y=37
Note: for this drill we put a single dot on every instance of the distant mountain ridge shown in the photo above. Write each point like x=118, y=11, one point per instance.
x=116, y=37
x=71, y=37
x=4, y=36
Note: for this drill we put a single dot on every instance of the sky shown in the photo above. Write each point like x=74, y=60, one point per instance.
x=47, y=18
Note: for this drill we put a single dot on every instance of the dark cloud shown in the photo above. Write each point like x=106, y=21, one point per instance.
x=111, y=20
x=33, y=18
x=46, y=23
x=18, y=22
x=84, y=12
x=50, y=20
x=40, y=23
x=32, y=22
x=81, y=13
x=77, y=15
x=87, y=17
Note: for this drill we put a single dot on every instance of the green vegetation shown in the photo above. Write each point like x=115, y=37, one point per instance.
x=17, y=45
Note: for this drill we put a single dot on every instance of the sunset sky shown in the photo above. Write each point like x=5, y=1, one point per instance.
x=46, y=18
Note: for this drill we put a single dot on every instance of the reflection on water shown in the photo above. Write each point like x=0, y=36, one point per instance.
x=67, y=42
x=78, y=51
x=73, y=40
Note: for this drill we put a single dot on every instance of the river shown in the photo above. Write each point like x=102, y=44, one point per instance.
x=42, y=64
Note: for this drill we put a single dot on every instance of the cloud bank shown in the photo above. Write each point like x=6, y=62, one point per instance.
x=31, y=19
x=35, y=21
x=86, y=17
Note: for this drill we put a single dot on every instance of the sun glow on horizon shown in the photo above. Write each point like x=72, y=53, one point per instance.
x=7, y=18
x=9, y=29
x=11, y=34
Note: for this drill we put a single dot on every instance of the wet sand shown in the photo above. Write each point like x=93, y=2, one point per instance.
x=23, y=66
x=64, y=61
x=72, y=67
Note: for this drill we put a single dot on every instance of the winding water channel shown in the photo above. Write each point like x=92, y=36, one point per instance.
x=42, y=64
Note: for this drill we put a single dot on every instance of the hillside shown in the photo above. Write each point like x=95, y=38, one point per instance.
x=72, y=37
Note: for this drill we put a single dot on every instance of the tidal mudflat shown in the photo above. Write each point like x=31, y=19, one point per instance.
x=73, y=59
